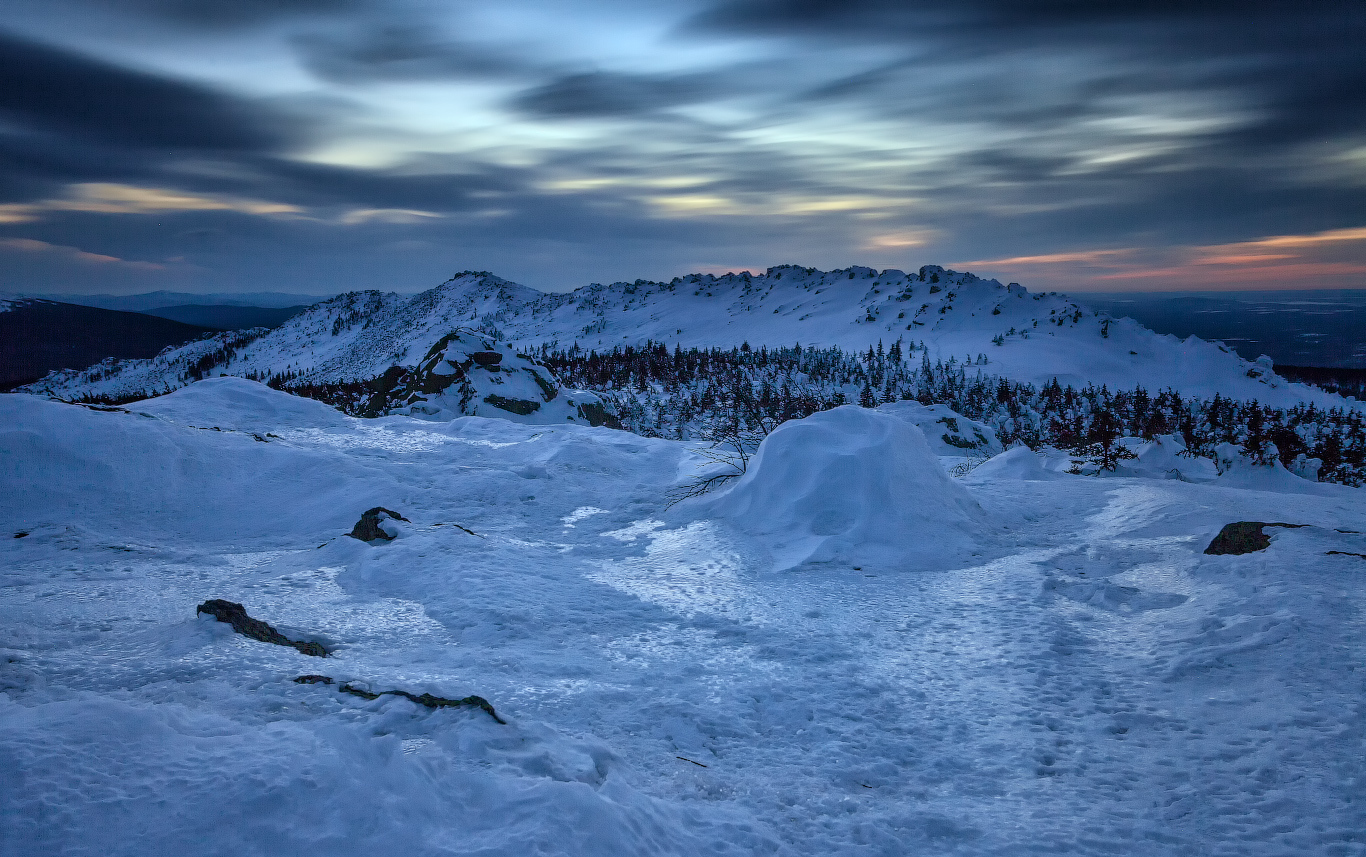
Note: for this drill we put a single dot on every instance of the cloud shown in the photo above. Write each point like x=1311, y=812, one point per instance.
x=73, y=254
x=106, y=198
x=1277, y=261
x=612, y=94
x=386, y=215
x=1089, y=256
x=1289, y=72
x=236, y=14
x=405, y=52
x=1331, y=236
x=46, y=89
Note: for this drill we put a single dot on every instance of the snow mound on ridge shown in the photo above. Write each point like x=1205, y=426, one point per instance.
x=238, y=403
x=853, y=487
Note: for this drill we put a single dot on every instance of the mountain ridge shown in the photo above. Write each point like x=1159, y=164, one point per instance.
x=1026, y=337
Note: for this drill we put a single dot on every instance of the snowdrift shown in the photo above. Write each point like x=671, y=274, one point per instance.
x=148, y=475
x=853, y=487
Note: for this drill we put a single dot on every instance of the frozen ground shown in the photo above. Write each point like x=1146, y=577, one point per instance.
x=1089, y=683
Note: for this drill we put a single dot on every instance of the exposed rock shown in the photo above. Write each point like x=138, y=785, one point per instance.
x=521, y=407
x=468, y=373
x=1242, y=537
x=425, y=699
x=595, y=414
x=236, y=615
x=367, y=529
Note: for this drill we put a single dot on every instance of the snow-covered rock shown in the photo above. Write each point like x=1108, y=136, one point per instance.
x=949, y=433
x=467, y=373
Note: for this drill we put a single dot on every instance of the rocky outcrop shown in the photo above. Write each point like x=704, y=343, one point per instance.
x=236, y=616
x=468, y=373
x=368, y=529
x=424, y=699
x=1242, y=537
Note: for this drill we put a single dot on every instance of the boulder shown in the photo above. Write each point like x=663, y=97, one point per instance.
x=368, y=529
x=1242, y=537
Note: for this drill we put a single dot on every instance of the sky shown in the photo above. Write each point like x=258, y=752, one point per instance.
x=320, y=146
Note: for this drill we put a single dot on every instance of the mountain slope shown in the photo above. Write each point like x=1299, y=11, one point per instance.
x=39, y=336
x=1030, y=338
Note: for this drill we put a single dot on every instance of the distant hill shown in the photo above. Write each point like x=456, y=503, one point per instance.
x=161, y=299
x=38, y=336
x=223, y=317
x=1296, y=328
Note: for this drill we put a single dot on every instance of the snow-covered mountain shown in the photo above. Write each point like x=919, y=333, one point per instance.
x=1026, y=337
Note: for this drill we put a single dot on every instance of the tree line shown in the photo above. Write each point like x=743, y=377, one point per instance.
x=714, y=393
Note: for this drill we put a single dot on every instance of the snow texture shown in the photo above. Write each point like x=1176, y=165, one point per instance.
x=1091, y=684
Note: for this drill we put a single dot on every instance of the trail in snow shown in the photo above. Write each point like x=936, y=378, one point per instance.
x=1100, y=686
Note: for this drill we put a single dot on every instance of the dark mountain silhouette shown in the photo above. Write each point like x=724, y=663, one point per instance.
x=227, y=317
x=38, y=336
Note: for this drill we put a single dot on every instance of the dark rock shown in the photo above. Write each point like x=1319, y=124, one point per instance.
x=21, y=534
x=548, y=389
x=389, y=380
x=367, y=529
x=1242, y=537
x=487, y=358
x=597, y=415
x=521, y=407
x=236, y=616
x=425, y=699
x=434, y=382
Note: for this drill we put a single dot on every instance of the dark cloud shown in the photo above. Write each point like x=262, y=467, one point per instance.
x=403, y=53
x=458, y=187
x=896, y=19
x=45, y=89
x=235, y=14
x=607, y=94
x=1300, y=66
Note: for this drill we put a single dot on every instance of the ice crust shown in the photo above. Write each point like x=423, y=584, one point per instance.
x=1092, y=684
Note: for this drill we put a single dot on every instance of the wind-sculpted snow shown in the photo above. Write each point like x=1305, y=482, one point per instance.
x=1092, y=684
x=854, y=488
x=1031, y=338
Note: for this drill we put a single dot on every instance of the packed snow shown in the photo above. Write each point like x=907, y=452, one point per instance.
x=1018, y=660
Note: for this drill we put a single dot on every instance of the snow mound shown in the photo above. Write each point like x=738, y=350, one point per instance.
x=1237, y=470
x=1019, y=462
x=158, y=477
x=238, y=403
x=853, y=487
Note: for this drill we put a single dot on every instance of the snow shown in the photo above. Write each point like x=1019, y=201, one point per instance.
x=855, y=488
x=359, y=335
x=1091, y=683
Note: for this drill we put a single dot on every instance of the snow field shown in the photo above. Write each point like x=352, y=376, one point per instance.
x=1093, y=685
